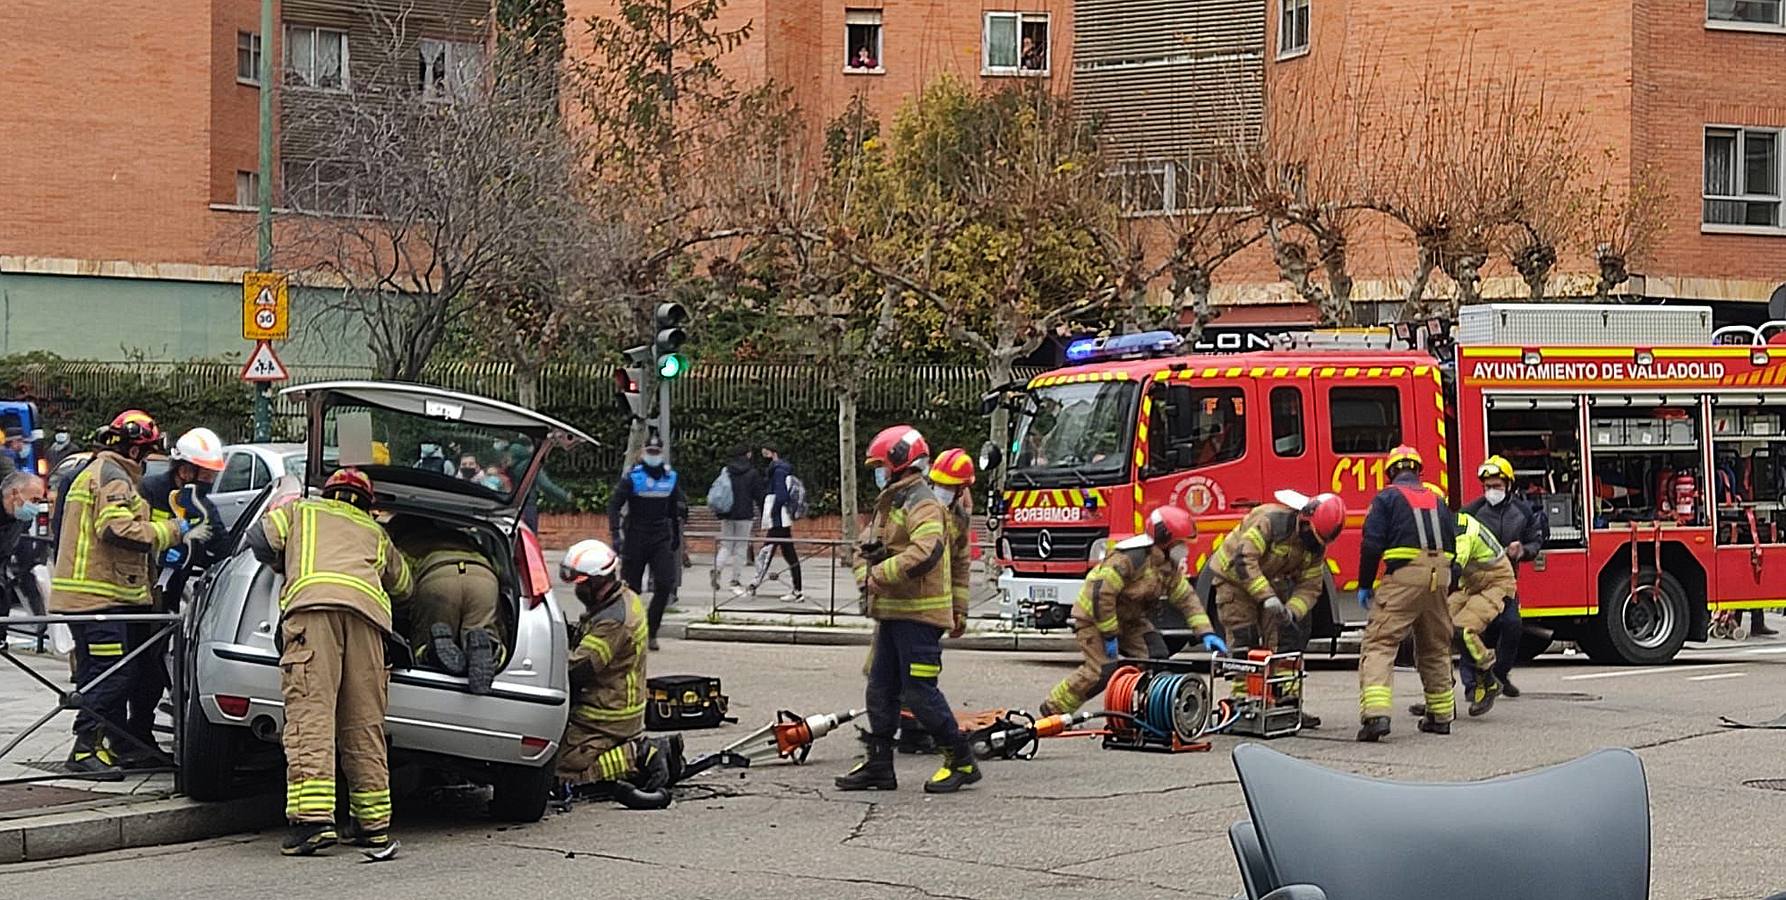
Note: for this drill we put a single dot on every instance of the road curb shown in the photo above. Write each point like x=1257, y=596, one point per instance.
x=141, y=824
x=846, y=637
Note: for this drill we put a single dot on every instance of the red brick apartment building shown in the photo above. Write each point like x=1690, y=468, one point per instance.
x=128, y=138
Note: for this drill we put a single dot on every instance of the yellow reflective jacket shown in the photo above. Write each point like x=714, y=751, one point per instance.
x=912, y=582
x=333, y=554
x=1486, y=568
x=961, y=556
x=107, y=539
x=607, y=665
x=1125, y=586
x=1266, y=548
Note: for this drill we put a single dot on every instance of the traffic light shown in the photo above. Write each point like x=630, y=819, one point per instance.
x=626, y=391
x=666, y=345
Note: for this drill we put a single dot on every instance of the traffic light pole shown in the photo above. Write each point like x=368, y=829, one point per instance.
x=663, y=412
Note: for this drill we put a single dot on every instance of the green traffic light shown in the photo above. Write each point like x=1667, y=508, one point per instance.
x=672, y=365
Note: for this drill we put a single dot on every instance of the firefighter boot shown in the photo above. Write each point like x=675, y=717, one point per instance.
x=1374, y=729
x=958, y=770
x=480, y=660
x=875, y=773
x=445, y=650
x=1431, y=725
x=1507, y=688
x=306, y=838
x=1482, y=697
x=91, y=759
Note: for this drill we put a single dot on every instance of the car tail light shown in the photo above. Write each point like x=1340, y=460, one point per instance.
x=535, y=745
x=234, y=707
x=535, y=580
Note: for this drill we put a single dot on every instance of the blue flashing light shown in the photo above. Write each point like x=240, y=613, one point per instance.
x=1147, y=343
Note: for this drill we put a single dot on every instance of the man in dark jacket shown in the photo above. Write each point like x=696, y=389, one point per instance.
x=655, y=508
x=1519, y=528
x=733, y=551
x=778, y=522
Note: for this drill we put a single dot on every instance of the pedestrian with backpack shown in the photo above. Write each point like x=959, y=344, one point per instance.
x=784, y=501
x=733, y=498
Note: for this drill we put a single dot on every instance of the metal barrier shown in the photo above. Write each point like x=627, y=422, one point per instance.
x=171, y=632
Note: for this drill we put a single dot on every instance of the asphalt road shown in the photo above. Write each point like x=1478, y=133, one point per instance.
x=1077, y=821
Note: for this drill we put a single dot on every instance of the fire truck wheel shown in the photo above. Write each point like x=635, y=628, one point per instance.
x=1642, y=627
x=1532, y=646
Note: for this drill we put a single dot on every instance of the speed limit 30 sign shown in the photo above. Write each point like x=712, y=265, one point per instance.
x=266, y=308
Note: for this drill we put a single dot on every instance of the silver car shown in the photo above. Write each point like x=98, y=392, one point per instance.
x=248, y=469
x=507, y=738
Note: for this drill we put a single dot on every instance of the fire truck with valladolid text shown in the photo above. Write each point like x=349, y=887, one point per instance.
x=1655, y=448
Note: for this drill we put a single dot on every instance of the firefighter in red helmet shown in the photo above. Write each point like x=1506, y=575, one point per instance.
x=1110, y=618
x=341, y=574
x=903, y=573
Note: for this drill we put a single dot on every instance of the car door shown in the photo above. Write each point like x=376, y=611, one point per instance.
x=235, y=486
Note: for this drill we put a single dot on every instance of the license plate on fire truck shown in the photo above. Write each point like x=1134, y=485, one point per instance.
x=1044, y=593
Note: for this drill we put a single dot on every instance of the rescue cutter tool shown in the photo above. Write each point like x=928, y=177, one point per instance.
x=788, y=736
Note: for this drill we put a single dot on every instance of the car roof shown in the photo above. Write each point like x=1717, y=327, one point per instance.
x=274, y=448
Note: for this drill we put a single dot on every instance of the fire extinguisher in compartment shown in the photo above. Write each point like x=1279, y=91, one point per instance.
x=1686, y=496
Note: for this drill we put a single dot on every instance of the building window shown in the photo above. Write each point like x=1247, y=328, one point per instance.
x=1286, y=421
x=1365, y=419
x=448, y=69
x=1016, y=43
x=1747, y=12
x=320, y=186
x=316, y=57
x=1292, y=27
x=862, y=40
x=248, y=57
x=1742, y=177
x=247, y=188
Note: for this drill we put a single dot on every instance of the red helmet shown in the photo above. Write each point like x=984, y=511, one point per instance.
x=132, y=428
x=350, y=481
x=898, y=448
x=952, y=467
x=1326, y=515
x=1170, y=525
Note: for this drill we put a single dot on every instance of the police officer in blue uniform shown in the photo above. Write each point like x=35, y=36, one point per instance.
x=650, y=535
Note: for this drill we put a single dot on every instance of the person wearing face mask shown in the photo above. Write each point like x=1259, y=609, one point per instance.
x=650, y=536
x=23, y=496
x=1277, y=544
x=1110, y=618
x=60, y=448
x=1519, y=528
x=469, y=468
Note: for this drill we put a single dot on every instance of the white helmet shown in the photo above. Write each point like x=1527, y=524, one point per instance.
x=201, y=447
x=586, y=560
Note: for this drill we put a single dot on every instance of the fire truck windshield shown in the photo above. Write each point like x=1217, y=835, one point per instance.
x=1075, y=434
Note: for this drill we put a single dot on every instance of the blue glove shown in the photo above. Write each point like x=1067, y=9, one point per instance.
x=1214, y=644
x=1110, y=648
x=1365, y=596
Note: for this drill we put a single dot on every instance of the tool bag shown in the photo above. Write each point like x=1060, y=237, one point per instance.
x=685, y=701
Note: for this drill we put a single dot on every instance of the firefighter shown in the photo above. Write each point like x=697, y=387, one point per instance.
x=952, y=480
x=903, y=573
x=604, y=740
x=1520, y=528
x=1484, y=588
x=1277, y=545
x=451, y=613
x=341, y=575
x=656, y=508
x=107, y=540
x=1111, y=618
x=1411, y=532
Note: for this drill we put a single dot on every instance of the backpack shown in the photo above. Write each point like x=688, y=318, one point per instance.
x=719, y=496
x=796, y=497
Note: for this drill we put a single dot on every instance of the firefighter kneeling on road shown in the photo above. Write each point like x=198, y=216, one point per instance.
x=1110, y=616
x=1482, y=591
x=1411, y=531
x=1277, y=544
x=341, y=573
x=604, y=741
x=903, y=574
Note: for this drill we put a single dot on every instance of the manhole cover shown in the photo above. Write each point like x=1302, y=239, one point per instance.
x=1568, y=696
x=1767, y=784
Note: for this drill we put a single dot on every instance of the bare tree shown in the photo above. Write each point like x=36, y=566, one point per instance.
x=1625, y=225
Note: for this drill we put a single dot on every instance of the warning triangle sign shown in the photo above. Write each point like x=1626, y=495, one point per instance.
x=265, y=298
x=264, y=365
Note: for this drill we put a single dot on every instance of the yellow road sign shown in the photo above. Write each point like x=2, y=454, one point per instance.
x=266, y=308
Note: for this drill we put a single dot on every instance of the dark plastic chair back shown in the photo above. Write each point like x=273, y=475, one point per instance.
x=1576, y=831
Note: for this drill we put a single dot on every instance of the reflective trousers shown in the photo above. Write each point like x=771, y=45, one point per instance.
x=462, y=597
x=1472, y=614
x=1504, y=634
x=591, y=753
x=336, y=688
x=1411, y=598
x=906, y=661
x=1135, y=639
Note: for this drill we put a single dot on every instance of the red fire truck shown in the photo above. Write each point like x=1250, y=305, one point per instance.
x=1658, y=458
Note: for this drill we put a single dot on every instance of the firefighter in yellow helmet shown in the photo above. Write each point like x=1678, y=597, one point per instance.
x=1111, y=616
x=952, y=480
x=1412, y=533
x=341, y=574
x=106, y=540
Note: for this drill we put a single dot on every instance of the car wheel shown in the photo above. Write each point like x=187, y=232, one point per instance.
x=1641, y=627
x=207, y=755
x=519, y=793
